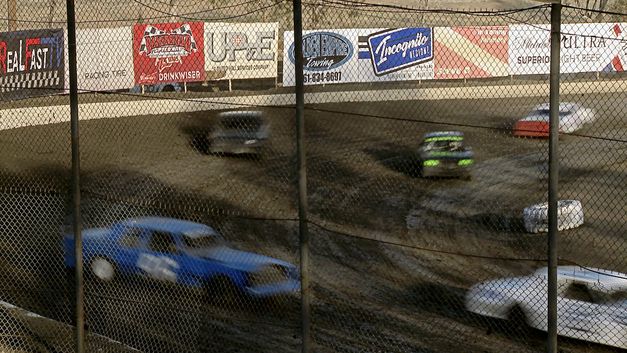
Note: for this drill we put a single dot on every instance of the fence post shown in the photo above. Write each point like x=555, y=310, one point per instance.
x=76, y=211
x=11, y=15
x=302, y=177
x=554, y=99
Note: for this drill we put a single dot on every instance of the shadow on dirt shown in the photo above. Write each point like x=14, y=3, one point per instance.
x=397, y=158
x=497, y=222
x=344, y=324
x=573, y=174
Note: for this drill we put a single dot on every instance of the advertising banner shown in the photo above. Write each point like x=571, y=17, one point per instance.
x=588, y=47
x=329, y=56
x=398, y=54
x=168, y=52
x=241, y=50
x=362, y=55
x=104, y=58
x=471, y=52
x=31, y=63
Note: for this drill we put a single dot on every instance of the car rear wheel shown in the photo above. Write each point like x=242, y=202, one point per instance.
x=103, y=269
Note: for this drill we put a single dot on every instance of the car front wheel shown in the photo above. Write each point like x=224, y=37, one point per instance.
x=103, y=269
x=518, y=320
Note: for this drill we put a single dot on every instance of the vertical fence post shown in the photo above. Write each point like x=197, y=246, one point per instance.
x=302, y=177
x=76, y=197
x=554, y=100
x=12, y=15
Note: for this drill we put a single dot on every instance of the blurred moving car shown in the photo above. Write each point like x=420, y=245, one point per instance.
x=569, y=215
x=160, y=87
x=572, y=117
x=591, y=304
x=442, y=153
x=239, y=132
x=184, y=252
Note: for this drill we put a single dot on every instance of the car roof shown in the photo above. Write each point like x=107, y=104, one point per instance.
x=443, y=134
x=611, y=279
x=170, y=225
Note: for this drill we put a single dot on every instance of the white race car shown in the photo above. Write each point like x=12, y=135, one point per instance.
x=591, y=304
x=572, y=117
x=569, y=215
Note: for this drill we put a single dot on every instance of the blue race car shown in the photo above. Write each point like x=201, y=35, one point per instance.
x=184, y=252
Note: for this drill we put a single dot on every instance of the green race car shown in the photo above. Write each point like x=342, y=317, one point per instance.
x=443, y=154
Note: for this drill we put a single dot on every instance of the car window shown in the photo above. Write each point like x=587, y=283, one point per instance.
x=594, y=294
x=202, y=241
x=131, y=237
x=444, y=145
x=546, y=112
x=163, y=242
x=241, y=123
x=579, y=292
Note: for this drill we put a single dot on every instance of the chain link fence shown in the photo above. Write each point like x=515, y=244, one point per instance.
x=427, y=159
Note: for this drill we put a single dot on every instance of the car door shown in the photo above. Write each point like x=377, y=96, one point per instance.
x=161, y=259
x=130, y=244
x=577, y=311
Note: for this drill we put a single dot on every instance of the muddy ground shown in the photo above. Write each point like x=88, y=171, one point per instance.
x=370, y=294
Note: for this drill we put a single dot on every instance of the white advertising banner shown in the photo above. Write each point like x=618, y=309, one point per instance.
x=105, y=58
x=588, y=47
x=241, y=50
x=361, y=55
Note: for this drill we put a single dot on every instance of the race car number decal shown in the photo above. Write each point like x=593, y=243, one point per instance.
x=160, y=268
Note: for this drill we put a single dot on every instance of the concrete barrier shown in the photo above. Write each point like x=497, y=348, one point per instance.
x=32, y=116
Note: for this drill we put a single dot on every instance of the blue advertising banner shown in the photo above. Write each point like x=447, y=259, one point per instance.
x=396, y=49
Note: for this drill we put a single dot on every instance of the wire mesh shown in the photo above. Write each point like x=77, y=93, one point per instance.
x=428, y=193
x=427, y=164
x=34, y=303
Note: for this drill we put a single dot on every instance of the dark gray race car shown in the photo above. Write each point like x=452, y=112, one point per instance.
x=239, y=132
x=443, y=154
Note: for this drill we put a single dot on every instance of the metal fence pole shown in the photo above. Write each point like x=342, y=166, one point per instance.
x=554, y=99
x=11, y=15
x=76, y=197
x=302, y=177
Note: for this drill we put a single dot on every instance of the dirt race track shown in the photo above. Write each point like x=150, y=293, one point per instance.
x=368, y=296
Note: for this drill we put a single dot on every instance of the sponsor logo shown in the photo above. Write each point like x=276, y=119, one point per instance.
x=230, y=46
x=167, y=48
x=31, y=54
x=324, y=51
x=148, y=77
x=397, y=49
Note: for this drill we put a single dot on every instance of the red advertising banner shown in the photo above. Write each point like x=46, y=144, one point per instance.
x=168, y=52
x=471, y=52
